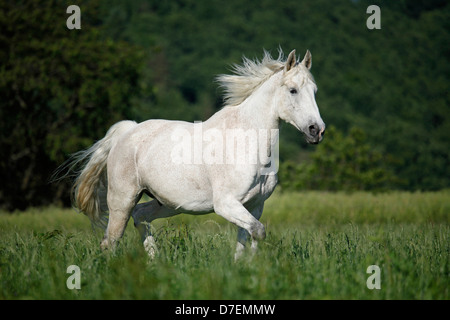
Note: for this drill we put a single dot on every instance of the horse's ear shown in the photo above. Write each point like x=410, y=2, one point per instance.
x=290, y=62
x=307, y=60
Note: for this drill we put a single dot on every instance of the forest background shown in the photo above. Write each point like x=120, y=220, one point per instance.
x=383, y=93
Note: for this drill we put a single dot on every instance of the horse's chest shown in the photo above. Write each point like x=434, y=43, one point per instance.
x=268, y=185
x=262, y=189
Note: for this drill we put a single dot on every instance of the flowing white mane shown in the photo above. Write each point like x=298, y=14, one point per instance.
x=248, y=77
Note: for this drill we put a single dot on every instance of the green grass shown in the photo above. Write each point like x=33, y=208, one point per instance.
x=318, y=246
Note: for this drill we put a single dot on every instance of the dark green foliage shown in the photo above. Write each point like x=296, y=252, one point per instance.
x=341, y=163
x=392, y=82
x=61, y=89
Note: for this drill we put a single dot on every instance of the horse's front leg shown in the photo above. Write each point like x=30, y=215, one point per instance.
x=243, y=235
x=232, y=210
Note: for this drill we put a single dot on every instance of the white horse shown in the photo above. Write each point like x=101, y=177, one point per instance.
x=183, y=166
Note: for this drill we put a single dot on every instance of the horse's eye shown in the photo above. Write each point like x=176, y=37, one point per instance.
x=293, y=91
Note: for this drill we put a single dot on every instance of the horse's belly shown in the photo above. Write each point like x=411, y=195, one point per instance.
x=181, y=188
x=182, y=195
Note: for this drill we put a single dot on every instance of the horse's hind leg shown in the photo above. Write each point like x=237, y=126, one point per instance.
x=143, y=214
x=120, y=204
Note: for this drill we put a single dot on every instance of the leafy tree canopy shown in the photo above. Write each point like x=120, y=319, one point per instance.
x=61, y=89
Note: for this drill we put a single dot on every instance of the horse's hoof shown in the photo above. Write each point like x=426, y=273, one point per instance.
x=104, y=244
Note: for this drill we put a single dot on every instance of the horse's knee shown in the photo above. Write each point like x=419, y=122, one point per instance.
x=257, y=231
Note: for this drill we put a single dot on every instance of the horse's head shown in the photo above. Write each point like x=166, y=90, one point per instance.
x=297, y=104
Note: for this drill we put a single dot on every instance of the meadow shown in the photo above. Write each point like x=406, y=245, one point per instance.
x=318, y=246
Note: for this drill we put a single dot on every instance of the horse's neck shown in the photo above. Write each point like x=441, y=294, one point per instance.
x=259, y=109
x=258, y=112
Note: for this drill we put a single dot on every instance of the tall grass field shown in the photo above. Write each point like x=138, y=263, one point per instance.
x=319, y=245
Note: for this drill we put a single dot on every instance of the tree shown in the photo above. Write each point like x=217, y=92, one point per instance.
x=60, y=90
x=341, y=163
x=392, y=82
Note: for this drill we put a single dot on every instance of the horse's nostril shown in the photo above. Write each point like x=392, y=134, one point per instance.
x=313, y=130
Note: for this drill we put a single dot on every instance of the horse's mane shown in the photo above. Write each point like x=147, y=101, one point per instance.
x=248, y=77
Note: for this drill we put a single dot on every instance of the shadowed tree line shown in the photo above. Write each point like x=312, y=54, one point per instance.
x=383, y=93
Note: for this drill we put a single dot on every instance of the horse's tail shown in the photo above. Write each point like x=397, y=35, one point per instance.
x=90, y=188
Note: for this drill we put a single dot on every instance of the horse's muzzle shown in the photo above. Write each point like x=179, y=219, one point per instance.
x=315, y=133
